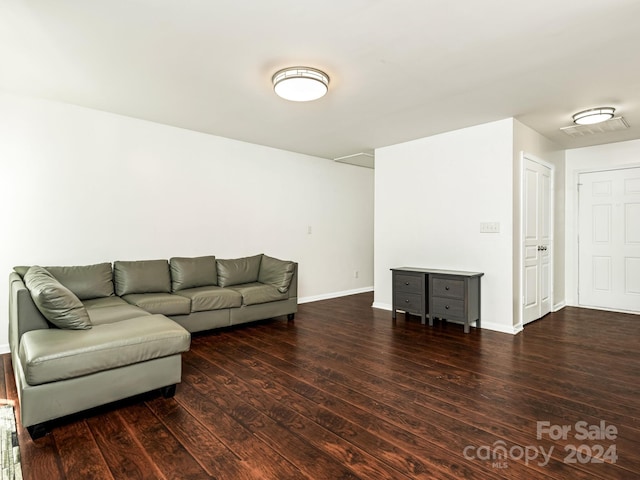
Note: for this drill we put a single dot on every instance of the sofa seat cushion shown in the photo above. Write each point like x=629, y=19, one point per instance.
x=211, y=298
x=103, y=302
x=51, y=355
x=255, y=293
x=101, y=315
x=164, y=303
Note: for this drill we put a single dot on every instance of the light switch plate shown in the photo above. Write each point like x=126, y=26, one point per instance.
x=489, y=227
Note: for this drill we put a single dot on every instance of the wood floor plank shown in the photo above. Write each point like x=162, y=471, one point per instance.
x=266, y=395
x=345, y=392
x=206, y=448
x=411, y=428
x=125, y=457
x=261, y=459
x=79, y=454
x=170, y=457
x=396, y=446
x=311, y=462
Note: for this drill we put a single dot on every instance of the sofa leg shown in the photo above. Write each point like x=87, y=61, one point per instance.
x=291, y=316
x=169, y=391
x=38, y=430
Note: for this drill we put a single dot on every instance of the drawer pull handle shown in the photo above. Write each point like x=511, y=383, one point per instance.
x=407, y=301
x=406, y=283
x=446, y=307
x=446, y=288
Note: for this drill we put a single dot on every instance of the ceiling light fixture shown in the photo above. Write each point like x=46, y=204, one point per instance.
x=300, y=84
x=593, y=115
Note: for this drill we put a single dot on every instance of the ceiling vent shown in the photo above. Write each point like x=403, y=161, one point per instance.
x=613, y=125
x=361, y=159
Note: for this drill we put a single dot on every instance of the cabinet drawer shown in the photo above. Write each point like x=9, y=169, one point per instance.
x=447, y=308
x=444, y=287
x=408, y=283
x=408, y=302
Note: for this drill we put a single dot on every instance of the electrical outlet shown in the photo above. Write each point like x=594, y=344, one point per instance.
x=356, y=274
x=489, y=227
x=309, y=230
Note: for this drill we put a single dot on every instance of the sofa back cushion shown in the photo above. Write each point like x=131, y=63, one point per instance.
x=142, y=276
x=56, y=302
x=238, y=270
x=85, y=281
x=276, y=272
x=193, y=272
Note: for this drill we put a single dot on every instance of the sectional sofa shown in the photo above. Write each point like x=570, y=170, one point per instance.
x=84, y=336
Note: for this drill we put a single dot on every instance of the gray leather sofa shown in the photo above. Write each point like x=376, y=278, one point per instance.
x=84, y=336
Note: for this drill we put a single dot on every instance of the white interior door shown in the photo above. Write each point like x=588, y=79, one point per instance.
x=537, y=212
x=609, y=239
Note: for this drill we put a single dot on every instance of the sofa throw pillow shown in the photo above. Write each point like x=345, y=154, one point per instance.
x=276, y=272
x=193, y=272
x=141, y=276
x=56, y=302
x=238, y=270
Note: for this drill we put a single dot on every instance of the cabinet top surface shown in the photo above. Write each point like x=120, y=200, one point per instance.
x=434, y=271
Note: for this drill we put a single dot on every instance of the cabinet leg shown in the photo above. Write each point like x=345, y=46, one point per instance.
x=466, y=326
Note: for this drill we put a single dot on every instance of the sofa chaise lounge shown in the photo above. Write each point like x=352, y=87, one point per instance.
x=84, y=336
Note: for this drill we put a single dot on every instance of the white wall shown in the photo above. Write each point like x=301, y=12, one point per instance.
x=431, y=195
x=79, y=186
x=528, y=141
x=589, y=159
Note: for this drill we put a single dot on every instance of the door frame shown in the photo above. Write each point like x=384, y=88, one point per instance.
x=524, y=156
x=576, y=223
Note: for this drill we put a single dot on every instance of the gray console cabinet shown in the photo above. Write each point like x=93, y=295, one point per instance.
x=430, y=293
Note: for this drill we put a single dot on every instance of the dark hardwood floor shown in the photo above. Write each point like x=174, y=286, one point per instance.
x=344, y=392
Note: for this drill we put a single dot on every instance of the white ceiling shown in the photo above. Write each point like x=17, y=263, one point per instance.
x=400, y=69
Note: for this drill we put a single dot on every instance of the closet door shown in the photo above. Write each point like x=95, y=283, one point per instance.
x=537, y=241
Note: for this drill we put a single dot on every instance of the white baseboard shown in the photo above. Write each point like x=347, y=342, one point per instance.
x=499, y=327
x=485, y=325
x=559, y=306
x=328, y=296
x=382, y=306
x=4, y=348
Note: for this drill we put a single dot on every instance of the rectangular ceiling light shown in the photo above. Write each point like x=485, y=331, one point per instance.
x=613, y=125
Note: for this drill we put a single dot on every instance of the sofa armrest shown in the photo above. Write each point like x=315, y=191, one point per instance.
x=293, y=287
x=24, y=316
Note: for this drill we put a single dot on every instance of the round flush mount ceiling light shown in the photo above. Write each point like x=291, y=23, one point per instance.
x=300, y=84
x=594, y=115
